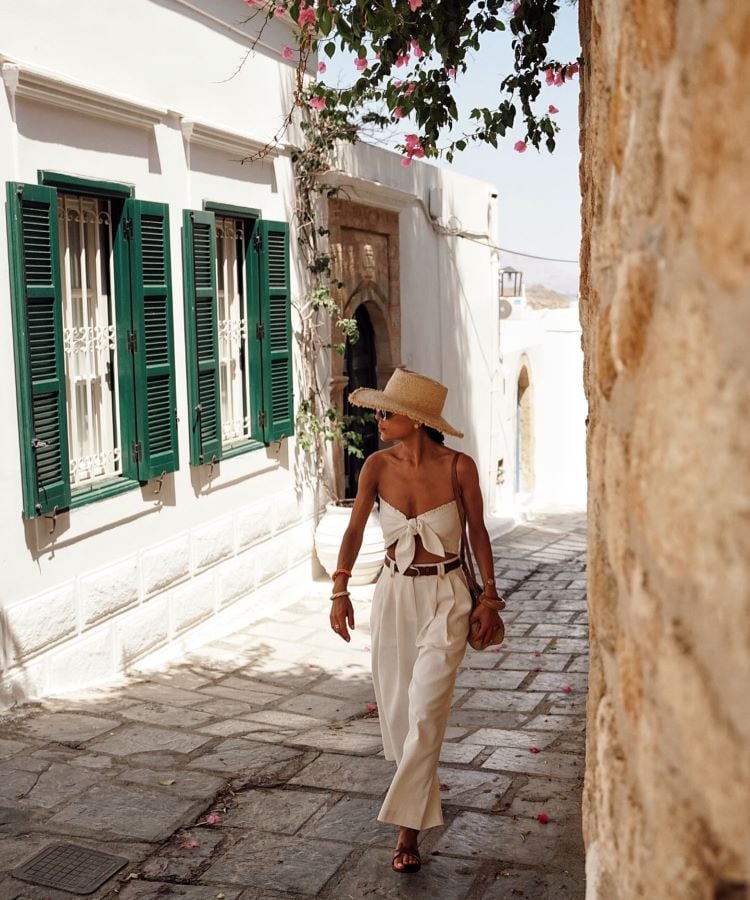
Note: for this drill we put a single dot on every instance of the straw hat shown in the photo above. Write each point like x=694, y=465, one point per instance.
x=409, y=394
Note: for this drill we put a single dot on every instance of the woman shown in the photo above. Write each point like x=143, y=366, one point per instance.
x=421, y=606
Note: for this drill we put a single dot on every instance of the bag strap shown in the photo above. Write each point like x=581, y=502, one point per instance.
x=464, y=552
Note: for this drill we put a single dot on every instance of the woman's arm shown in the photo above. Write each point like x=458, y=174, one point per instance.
x=342, y=612
x=468, y=479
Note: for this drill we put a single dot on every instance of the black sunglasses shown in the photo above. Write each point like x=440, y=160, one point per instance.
x=384, y=414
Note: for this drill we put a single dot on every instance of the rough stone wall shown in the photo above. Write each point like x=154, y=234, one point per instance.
x=665, y=176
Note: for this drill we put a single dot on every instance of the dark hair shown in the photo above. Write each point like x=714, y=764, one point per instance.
x=434, y=434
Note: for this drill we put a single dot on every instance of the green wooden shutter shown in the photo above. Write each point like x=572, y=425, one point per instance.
x=40, y=363
x=275, y=311
x=201, y=335
x=151, y=297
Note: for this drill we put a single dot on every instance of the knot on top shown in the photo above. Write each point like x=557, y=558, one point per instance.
x=414, y=526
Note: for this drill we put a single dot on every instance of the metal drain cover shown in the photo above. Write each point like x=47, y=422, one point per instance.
x=70, y=868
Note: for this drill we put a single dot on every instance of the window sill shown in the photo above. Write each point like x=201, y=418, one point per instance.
x=84, y=496
x=239, y=449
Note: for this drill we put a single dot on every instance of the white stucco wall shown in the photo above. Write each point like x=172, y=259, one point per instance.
x=548, y=343
x=124, y=576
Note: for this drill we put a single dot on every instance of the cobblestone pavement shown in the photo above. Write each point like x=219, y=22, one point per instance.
x=273, y=730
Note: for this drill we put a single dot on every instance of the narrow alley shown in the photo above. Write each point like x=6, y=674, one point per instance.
x=254, y=768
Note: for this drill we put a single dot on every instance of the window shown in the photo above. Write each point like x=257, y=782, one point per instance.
x=93, y=341
x=238, y=332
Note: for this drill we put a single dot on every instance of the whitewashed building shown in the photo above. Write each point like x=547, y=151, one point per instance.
x=150, y=481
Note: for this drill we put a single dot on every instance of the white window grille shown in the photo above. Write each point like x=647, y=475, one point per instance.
x=89, y=338
x=232, y=328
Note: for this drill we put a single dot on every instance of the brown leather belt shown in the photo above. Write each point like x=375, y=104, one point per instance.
x=425, y=569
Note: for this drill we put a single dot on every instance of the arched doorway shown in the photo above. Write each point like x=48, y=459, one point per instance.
x=361, y=368
x=524, y=468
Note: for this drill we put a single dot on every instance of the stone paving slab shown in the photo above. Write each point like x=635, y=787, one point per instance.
x=130, y=811
x=272, y=731
x=297, y=864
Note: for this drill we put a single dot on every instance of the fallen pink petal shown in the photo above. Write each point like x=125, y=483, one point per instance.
x=190, y=844
x=520, y=146
x=533, y=749
x=537, y=653
x=212, y=819
x=567, y=688
x=537, y=669
x=543, y=818
x=444, y=786
x=372, y=707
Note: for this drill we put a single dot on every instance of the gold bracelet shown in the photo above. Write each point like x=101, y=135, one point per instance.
x=340, y=594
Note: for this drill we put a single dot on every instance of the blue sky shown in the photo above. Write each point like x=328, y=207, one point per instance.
x=539, y=201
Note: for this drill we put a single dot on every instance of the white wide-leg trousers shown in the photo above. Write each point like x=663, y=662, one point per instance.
x=419, y=627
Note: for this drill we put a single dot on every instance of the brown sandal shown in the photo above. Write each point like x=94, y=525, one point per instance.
x=407, y=867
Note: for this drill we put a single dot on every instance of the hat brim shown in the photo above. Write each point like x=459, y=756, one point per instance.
x=373, y=399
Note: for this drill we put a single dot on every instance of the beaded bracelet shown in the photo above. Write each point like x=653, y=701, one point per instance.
x=338, y=572
x=340, y=594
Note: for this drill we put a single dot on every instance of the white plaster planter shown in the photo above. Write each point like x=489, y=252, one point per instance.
x=328, y=537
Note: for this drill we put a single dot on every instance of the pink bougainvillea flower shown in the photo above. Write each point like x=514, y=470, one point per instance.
x=317, y=103
x=212, y=819
x=398, y=113
x=397, y=82
x=279, y=11
x=543, y=818
x=402, y=60
x=516, y=5
x=451, y=73
x=321, y=68
x=417, y=50
x=573, y=70
x=360, y=64
x=287, y=53
x=533, y=749
x=372, y=707
x=520, y=146
x=537, y=653
x=567, y=688
x=406, y=161
x=418, y=153
x=549, y=75
x=415, y=4
x=410, y=88
x=552, y=109
x=412, y=140
x=306, y=16
x=559, y=80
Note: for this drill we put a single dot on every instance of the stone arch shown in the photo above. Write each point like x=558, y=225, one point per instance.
x=524, y=431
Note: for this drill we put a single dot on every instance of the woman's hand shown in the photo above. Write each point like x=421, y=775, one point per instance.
x=483, y=621
x=342, y=613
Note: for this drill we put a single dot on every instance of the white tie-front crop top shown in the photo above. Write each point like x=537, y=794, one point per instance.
x=439, y=530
